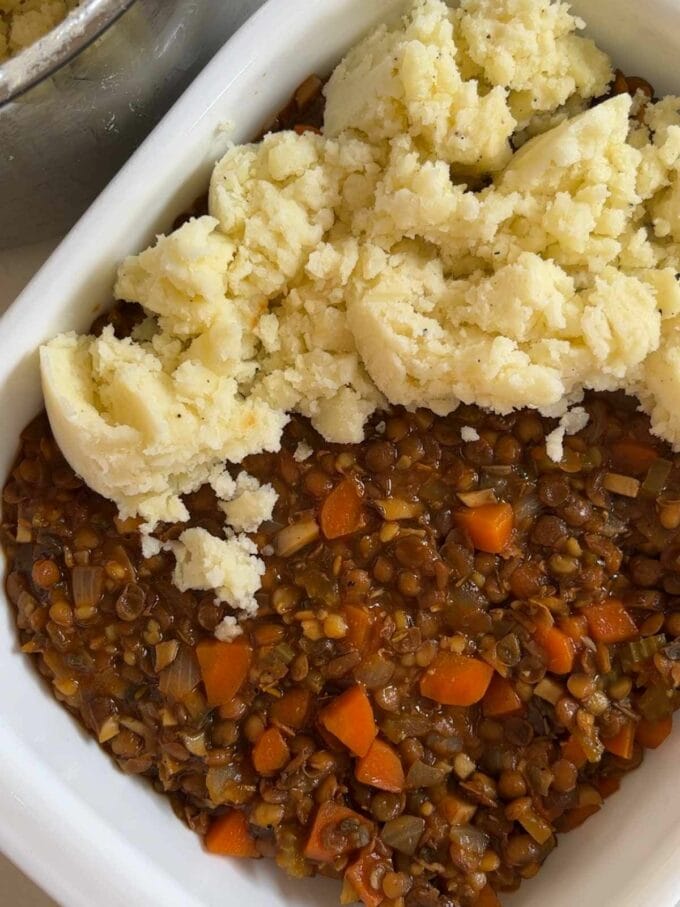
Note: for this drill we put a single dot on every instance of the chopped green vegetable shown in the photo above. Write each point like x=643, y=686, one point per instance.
x=635, y=653
x=656, y=477
x=285, y=652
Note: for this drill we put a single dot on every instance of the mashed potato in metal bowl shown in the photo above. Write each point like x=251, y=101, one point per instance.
x=22, y=22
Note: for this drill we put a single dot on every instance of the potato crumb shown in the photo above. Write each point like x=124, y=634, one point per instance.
x=229, y=566
x=302, y=452
x=468, y=433
x=228, y=629
x=250, y=505
x=570, y=423
x=150, y=546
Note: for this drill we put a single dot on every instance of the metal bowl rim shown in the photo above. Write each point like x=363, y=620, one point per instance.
x=39, y=61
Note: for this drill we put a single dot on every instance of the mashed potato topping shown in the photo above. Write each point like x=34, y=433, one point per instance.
x=22, y=22
x=420, y=251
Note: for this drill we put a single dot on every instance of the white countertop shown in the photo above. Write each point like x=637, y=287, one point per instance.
x=16, y=269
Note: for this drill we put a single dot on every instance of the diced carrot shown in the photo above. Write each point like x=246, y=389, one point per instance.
x=292, y=708
x=455, y=679
x=381, y=767
x=487, y=898
x=575, y=817
x=607, y=785
x=342, y=511
x=651, y=734
x=267, y=634
x=330, y=741
x=349, y=717
x=361, y=874
x=633, y=457
x=489, y=526
x=575, y=627
x=622, y=744
x=558, y=648
x=321, y=838
x=573, y=752
x=501, y=698
x=224, y=668
x=456, y=810
x=229, y=836
x=609, y=622
x=271, y=752
x=358, y=622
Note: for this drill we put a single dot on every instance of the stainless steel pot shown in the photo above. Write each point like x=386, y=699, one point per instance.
x=75, y=105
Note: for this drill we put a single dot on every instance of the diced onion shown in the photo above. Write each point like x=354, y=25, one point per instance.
x=550, y=690
x=478, y=498
x=109, y=729
x=620, y=484
x=165, y=653
x=131, y=602
x=293, y=538
x=182, y=676
x=88, y=584
x=539, y=830
x=403, y=833
x=24, y=532
x=590, y=744
x=397, y=509
x=195, y=743
x=139, y=728
x=672, y=650
x=423, y=775
x=527, y=509
x=225, y=784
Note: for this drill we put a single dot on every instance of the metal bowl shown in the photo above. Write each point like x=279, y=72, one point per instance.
x=75, y=104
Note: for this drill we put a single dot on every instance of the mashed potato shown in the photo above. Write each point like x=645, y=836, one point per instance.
x=421, y=251
x=229, y=566
x=22, y=22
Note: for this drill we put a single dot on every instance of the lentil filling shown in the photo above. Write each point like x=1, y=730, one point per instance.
x=461, y=646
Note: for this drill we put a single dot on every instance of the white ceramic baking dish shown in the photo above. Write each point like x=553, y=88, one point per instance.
x=84, y=831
